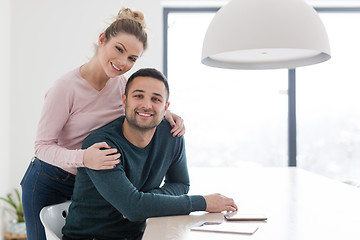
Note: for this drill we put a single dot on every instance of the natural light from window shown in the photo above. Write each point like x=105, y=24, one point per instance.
x=233, y=118
x=238, y=118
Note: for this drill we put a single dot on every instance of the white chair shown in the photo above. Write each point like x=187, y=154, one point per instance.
x=53, y=219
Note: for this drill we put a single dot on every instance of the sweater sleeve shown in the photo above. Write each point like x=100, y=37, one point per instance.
x=116, y=188
x=177, y=177
x=55, y=114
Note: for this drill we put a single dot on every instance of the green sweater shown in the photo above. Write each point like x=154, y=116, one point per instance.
x=133, y=188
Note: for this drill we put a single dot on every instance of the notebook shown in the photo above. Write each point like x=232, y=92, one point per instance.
x=227, y=228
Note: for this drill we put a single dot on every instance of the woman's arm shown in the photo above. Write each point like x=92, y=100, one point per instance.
x=55, y=114
x=177, y=123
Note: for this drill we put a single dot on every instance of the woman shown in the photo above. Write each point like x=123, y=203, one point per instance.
x=81, y=101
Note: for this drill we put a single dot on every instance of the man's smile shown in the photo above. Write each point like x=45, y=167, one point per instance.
x=144, y=114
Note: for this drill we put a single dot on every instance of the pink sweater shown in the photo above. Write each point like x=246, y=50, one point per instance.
x=72, y=109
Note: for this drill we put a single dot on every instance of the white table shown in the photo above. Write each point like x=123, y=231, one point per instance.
x=299, y=205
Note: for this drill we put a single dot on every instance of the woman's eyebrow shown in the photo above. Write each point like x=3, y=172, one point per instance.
x=122, y=46
x=126, y=49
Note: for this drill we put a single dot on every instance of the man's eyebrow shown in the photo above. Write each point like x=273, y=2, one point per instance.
x=158, y=94
x=138, y=90
x=142, y=91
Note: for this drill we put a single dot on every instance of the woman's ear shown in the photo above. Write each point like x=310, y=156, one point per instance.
x=101, y=39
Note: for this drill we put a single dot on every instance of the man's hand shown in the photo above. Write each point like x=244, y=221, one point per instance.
x=218, y=203
x=97, y=159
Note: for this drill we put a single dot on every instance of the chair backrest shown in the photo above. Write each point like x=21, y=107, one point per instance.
x=53, y=219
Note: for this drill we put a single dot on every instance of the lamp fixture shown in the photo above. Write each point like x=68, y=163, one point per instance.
x=265, y=34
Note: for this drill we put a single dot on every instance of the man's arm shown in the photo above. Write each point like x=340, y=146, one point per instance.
x=177, y=177
x=114, y=186
x=171, y=188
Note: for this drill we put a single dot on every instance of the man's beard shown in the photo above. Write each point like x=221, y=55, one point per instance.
x=133, y=121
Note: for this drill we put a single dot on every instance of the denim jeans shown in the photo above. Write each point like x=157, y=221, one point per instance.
x=43, y=184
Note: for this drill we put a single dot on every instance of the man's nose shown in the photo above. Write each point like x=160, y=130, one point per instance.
x=146, y=103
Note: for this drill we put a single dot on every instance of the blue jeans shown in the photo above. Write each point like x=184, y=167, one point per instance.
x=43, y=184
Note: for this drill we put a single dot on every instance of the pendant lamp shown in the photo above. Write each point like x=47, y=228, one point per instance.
x=265, y=34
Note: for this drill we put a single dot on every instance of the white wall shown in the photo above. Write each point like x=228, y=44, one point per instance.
x=4, y=93
x=4, y=102
x=49, y=38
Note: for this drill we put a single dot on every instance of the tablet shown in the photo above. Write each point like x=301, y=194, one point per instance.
x=245, y=217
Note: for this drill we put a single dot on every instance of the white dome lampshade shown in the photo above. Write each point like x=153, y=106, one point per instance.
x=265, y=34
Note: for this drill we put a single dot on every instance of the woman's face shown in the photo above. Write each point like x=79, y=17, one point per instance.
x=118, y=54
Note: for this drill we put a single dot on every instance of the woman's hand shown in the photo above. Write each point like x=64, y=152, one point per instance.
x=177, y=123
x=218, y=203
x=97, y=159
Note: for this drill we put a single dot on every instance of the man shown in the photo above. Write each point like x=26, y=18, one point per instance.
x=114, y=204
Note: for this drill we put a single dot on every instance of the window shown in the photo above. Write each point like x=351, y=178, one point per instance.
x=238, y=117
x=328, y=100
x=233, y=118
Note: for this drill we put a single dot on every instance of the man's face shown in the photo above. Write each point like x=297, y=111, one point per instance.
x=146, y=103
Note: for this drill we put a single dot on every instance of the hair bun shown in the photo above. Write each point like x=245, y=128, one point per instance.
x=128, y=14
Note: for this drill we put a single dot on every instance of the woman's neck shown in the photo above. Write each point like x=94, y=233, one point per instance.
x=94, y=74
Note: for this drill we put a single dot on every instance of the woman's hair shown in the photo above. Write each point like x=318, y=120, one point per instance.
x=128, y=21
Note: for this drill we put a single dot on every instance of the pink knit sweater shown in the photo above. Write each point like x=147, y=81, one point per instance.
x=72, y=109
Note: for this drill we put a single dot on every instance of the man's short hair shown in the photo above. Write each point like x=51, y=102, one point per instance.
x=148, y=72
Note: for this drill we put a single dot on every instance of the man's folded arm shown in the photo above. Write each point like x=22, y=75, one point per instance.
x=171, y=188
x=116, y=188
x=177, y=177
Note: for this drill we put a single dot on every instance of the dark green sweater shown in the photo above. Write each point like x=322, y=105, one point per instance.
x=132, y=189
